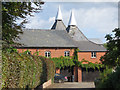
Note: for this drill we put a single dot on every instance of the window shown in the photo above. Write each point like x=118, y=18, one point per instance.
x=28, y=52
x=47, y=54
x=66, y=53
x=93, y=54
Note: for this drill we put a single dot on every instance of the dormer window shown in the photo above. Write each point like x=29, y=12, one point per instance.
x=93, y=54
x=67, y=53
x=47, y=54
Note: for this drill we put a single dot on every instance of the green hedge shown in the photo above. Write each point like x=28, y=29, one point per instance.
x=25, y=71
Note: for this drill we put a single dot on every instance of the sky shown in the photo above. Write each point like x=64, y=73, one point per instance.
x=94, y=19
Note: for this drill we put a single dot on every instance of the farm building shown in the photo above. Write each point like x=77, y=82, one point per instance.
x=62, y=41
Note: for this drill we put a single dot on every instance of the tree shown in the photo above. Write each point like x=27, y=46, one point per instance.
x=112, y=57
x=105, y=45
x=11, y=12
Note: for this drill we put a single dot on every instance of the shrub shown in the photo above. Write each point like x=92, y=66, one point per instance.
x=25, y=71
x=49, y=68
x=110, y=79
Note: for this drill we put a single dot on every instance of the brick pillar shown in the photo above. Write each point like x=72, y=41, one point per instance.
x=57, y=70
x=75, y=73
x=79, y=74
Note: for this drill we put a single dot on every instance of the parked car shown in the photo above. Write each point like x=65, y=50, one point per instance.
x=58, y=78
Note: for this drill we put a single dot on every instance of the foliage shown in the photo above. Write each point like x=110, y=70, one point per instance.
x=25, y=70
x=75, y=57
x=13, y=11
x=112, y=57
x=110, y=79
x=62, y=62
x=105, y=45
x=106, y=72
x=87, y=64
x=50, y=67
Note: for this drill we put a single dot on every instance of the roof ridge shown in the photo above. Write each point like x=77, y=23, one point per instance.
x=37, y=29
x=94, y=43
x=82, y=33
x=42, y=30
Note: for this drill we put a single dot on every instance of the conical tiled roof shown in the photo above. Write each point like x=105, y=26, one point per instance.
x=75, y=33
x=73, y=30
x=59, y=25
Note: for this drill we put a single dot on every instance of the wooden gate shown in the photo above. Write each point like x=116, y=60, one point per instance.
x=89, y=75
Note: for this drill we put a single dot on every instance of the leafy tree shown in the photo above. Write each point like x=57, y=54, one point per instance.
x=112, y=57
x=105, y=45
x=13, y=11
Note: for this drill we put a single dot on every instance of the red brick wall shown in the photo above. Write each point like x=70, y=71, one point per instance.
x=87, y=56
x=57, y=70
x=54, y=52
x=79, y=74
x=75, y=73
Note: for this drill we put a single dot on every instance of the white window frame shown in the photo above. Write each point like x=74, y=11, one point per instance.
x=29, y=52
x=67, y=53
x=93, y=54
x=47, y=54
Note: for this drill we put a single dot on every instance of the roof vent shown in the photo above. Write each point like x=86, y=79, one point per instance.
x=59, y=14
x=72, y=20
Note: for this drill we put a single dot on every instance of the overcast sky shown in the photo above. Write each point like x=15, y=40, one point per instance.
x=94, y=19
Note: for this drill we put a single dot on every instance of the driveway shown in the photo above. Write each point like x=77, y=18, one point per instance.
x=73, y=85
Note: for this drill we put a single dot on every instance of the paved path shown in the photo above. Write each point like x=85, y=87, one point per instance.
x=73, y=85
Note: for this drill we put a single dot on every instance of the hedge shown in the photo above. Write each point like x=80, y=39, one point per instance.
x=25, y=71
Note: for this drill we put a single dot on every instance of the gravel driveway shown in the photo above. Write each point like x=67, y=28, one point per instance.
x=73, y=85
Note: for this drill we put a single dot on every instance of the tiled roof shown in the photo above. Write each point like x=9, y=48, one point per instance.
x=96, y=40
x=55, y=38
x=59, y=25
x=45, y=38
x=75, y=33
x=89, y=46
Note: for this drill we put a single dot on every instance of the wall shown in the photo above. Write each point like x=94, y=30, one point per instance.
x=48, y=83
x=54, y=52
x=79, y=74
x=57, y=70
x=87, y=56
x=75, y=73
x=44, y=85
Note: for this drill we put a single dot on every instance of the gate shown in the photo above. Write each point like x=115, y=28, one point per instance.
x=90, y=75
